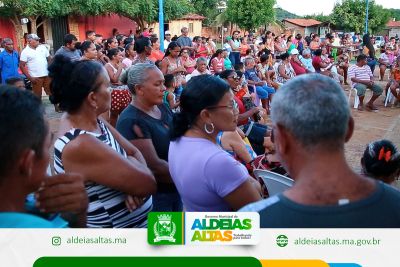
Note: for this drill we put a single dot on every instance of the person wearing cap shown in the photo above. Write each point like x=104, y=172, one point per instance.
x=307, y=60
x=68, y=49
x=33, y=64
x=167, y=40
x=297, y=65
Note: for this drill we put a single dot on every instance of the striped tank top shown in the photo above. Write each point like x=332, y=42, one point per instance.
x=107, y=207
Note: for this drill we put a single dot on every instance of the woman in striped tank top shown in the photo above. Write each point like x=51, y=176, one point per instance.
x=216, y=63
x=118, y=183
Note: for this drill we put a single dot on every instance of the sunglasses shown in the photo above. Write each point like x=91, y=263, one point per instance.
x=236, y=78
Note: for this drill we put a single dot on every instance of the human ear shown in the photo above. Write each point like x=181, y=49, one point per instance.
x=350, y=129
x=281, y=141
x=92, y=97
x=26, y=163
x=138, y=90
x=205, y=116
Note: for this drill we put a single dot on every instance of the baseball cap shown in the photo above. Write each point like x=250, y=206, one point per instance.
x=294, y=52
x=167, y=33
x=32, y=36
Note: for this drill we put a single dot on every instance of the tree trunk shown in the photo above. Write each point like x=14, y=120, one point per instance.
x=33, y=24
x=140, y=22
x=19, y=33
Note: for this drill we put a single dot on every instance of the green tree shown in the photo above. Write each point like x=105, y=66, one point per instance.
x=320, y=17
x=394, y=13
x=350, y=15
x=15, y=10
x=146, y=11
x=141, y=11
x=251, y=14
x=207, y=8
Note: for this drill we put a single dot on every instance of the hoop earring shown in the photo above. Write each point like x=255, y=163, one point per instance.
x=207, y=130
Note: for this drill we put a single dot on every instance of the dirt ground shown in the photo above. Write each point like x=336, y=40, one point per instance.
x=369, y=126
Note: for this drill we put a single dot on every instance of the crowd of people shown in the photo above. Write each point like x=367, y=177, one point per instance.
x=143, y=130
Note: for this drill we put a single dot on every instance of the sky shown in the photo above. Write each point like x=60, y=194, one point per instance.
x=308, y=7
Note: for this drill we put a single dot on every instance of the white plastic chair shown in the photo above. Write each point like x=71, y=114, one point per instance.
x=274, y=182
x=390, y=97
x=356, y=99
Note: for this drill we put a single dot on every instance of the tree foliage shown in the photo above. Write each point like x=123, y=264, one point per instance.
x=350, y=15
x=207, y=8
x=146, y=11
x=320, y=17
x=141, y=11
x=251, y=14
x=394, y=13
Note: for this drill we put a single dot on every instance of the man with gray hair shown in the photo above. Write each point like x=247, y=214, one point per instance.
x=184, y=41
x=201, y=67
x=311, y=123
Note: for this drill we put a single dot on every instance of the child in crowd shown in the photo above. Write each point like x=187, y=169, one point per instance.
x=394, y=82
x=381, y=161
x=169, y=97
x=263, y=91
x=16, y=82
x=385, y=61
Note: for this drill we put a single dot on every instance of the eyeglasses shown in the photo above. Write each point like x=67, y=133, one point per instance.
x=234, y=106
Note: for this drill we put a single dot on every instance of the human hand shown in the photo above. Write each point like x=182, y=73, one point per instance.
x=33, y=79
x=268, y=145
x=62, y=193
x=133, y=202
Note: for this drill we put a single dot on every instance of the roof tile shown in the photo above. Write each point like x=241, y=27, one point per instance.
x=303, y=22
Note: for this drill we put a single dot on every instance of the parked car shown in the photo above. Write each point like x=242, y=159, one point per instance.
x=379, y=41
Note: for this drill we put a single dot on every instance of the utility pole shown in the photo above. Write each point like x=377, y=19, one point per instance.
x=366, y=18
x=161, y=23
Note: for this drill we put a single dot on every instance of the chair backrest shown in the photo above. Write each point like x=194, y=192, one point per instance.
x=274, y=182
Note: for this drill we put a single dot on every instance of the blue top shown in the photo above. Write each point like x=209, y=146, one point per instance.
x=251, y=75
x=9, y=65
x=26, y=220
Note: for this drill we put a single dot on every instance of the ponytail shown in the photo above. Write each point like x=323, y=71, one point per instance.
x=181, y=123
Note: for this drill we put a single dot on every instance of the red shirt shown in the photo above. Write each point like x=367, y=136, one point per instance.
x=298, y=69
x=156, y=55
x=316, y=61
x=242, y=110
